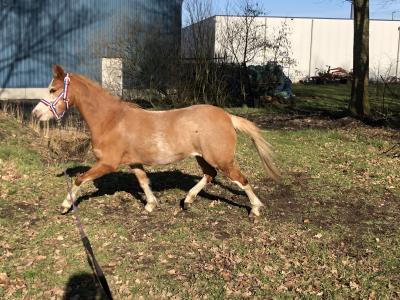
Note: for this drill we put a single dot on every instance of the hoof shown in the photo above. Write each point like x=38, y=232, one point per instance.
x=64, y=210
x=253, y=221
x=150, y=207
x=253, y=218
x=187, y=205
x=254, y=213
x=255, y=210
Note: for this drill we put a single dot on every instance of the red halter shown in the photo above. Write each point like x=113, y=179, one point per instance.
x=63, y=95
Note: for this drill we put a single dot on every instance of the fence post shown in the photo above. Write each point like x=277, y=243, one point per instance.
x=112, y=75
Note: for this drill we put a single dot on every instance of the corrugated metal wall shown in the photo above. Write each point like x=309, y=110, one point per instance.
x=34, y=34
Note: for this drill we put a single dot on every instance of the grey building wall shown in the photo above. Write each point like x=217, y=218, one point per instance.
x=35, y=34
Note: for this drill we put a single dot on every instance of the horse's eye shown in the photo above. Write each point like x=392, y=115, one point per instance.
x=52, y=91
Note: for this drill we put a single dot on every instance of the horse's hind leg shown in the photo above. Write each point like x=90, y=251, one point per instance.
x=145, y=185
x=234, y=173
x=209, y=174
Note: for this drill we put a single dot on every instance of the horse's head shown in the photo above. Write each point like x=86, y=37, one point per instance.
x=58, y=100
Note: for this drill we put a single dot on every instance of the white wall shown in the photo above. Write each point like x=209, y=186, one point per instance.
x=332, y=44
x=317, y=43
x=383, y=47
x=23, y=93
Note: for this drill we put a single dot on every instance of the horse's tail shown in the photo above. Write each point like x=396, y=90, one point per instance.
x=264, y=149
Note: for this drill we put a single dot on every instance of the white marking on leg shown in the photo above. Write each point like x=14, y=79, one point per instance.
x=253, y=198
x=239, y=184
x=150, y=198
x=255, y=202
x=71, y=197
x=195, y=190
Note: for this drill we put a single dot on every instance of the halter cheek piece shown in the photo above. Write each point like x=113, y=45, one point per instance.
x=63, y=95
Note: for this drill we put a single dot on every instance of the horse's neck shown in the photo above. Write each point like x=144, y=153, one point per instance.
x=98, y=110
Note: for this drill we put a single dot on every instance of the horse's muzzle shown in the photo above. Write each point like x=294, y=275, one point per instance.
x=36, y=113
x=39, y=114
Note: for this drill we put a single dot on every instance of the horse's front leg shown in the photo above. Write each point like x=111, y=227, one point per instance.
x=98, y=170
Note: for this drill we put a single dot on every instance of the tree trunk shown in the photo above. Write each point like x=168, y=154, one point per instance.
x=245, y=79
x=359, y=102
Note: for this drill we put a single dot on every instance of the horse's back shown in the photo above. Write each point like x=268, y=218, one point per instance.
x=202, y=119
x=198, y=109
x=200, y=115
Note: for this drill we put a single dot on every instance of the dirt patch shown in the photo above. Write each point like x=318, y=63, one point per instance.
x=320, y=120
x=7, y=212
x=355, y=209
x=283, y=202
x=19, y=212
x=295, y=122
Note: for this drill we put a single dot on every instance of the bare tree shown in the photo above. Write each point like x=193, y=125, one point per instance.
x=280, y=45
x=31, y=29
x=199, y=30
x=150, y=60
x=199, y=42
x=244, y=38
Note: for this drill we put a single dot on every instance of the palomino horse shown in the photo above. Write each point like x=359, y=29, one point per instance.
x=125, y=134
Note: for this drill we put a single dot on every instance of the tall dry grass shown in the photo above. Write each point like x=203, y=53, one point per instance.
x=68, y=139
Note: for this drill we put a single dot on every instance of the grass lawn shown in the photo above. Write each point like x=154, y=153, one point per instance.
x=334, y=97
x=330, y=229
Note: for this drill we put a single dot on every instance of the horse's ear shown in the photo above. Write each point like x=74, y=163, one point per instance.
x=58, y=72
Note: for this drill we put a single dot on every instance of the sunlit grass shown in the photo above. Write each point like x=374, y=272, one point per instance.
x=330, y=229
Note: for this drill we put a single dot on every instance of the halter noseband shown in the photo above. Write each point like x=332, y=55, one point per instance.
x=63, y=95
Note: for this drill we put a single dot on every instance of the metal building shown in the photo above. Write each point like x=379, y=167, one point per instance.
x=35, y=34
x=315, y=43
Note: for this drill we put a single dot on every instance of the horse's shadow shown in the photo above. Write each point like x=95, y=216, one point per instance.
x=160, y=181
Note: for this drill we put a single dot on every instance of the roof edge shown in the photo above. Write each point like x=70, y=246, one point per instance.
x=308, y=18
